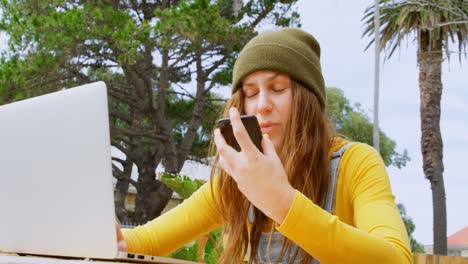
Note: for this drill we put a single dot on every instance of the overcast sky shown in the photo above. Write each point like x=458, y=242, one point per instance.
x=337, y=26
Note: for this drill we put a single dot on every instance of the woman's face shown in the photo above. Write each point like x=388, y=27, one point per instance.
x=267, y=95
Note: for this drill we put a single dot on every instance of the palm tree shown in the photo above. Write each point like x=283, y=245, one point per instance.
x=436, y=24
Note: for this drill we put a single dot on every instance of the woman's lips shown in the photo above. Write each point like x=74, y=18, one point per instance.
x=268, y=127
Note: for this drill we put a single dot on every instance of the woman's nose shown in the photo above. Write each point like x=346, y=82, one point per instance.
x=264, y=104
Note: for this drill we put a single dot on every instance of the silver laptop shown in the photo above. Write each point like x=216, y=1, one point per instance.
x=56, y=195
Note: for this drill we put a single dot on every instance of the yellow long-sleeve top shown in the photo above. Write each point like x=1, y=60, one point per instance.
x=365, y=227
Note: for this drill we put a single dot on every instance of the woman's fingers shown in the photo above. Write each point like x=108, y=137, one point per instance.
x=267, y=146
x=239, y=131
x=121, y=244
x=226, y=152
x=226, y=166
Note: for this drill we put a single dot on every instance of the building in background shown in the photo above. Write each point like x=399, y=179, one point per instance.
x=457, y=244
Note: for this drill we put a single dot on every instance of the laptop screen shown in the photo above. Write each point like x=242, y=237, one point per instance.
x=56, y=195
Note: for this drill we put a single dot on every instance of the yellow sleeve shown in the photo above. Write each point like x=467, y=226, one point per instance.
x=189, y=220
x=377, y=235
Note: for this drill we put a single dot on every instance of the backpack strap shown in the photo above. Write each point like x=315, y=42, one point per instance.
x=333, y=181
x=329, y=204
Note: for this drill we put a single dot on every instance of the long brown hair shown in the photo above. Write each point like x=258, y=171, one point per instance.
x=308, y=138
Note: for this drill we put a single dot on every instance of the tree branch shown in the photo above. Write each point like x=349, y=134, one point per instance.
x=124, y=99
x=116, y=144
x=215, y=65
x=195, y=121
x=121, y=161
x=149, y=134
x=446, y=24
x=454, y=11
x=120, y=116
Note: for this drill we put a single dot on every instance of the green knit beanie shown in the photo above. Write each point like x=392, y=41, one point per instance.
x=291, y=51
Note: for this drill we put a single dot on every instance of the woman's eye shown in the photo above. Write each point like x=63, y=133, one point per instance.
x=279, y=88
x=250, y=94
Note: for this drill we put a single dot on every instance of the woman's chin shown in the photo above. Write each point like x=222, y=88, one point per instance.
x=277, y=145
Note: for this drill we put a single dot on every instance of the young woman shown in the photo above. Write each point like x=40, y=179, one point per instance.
x=309, y=197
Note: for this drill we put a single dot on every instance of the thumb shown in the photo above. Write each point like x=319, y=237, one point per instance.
x=121, y=244
x=267, y=145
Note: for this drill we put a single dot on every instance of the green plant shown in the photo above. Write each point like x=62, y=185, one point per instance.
x=187, y=252
x=181, y=184
x=185, y=187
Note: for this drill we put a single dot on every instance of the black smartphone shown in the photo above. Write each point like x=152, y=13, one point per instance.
x=251, y=125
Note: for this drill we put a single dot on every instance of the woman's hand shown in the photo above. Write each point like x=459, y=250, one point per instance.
x=121, y=244
x=260, y=177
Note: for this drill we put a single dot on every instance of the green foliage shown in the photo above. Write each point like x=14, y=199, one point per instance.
x=14, y=86
x=212, y=251
x=416, y=247
x=198, y=21
x=185, y=187
x=445, y=20
x=181, y=184
x=187, y=252
x=353, y=123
